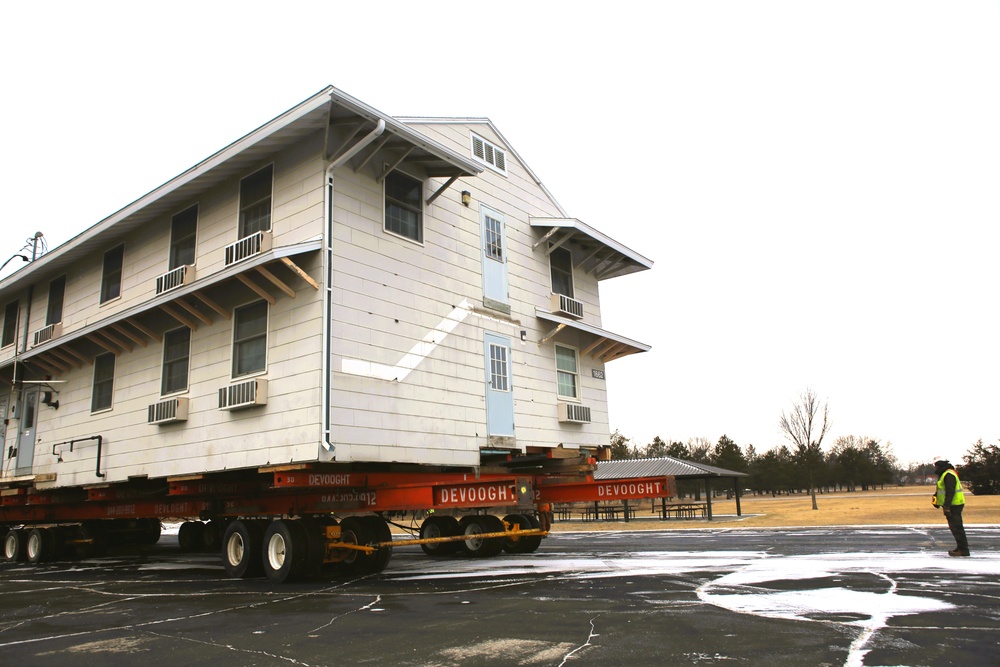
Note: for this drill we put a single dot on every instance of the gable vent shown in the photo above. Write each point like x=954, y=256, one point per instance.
x=170, y=410
x=47, y=333
x=182, y=275
x=243, y=395
x=247, y=247
x=566, y=305
x=574, y=413
x=489, y=153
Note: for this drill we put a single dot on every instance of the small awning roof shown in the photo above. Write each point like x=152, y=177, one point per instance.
x=599, y=254
x=601, y=345
x=660, y=467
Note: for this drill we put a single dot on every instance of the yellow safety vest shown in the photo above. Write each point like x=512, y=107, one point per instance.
x=958, y=498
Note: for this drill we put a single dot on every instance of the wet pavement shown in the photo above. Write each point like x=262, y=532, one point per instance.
x=819, y=596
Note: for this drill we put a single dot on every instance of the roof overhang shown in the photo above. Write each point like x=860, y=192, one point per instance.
x=600, y=255
x=340, y=116
x=600, y=344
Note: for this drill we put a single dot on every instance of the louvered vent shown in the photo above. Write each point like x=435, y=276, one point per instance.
x=574, y=412
x=170, y=410
x=243, y=395
x=489, y=153
x=248, y=247
x=568, y=306
x=182, y=275
x=47, y=333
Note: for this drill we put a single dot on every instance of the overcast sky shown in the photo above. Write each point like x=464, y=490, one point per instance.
x=817, y=183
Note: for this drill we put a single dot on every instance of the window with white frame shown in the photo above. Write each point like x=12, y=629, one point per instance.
x=111, y=278
x=567, y=372
x=404, y=206
x=499, y=370
x=561, y=269
x=250, y=339
x=103, y=392
x=255, y=201
x=176, y=361
x=57, y=292
x=489, y=154
x=183, y=228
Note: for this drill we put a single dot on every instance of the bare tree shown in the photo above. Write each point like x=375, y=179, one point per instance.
x=805, y=427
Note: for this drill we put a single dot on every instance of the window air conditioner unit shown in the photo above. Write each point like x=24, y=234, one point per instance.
x=170, y=410
x=243, y=395
x=46, y=334
x=247, y=247
x=182, y=275
x=567, y=305
x=574, y=413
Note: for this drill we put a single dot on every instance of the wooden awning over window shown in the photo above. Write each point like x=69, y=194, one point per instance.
x=599, y=344
x=596, y=253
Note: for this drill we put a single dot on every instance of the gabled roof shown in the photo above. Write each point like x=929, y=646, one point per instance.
x=660, y=467
x=347, y=123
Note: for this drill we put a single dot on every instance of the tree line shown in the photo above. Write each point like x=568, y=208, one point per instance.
x=854, y=462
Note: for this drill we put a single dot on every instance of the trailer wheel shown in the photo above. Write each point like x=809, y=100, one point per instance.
x=440, y=526
x=242, y=546
x=149, y=531
x=378, y=531
x=285, y=551
x=515, y=544
x=39, y=545
x=530, y=543
x=191, y=536
x=357, y=530
x=13, y=546
x=481, y=547
x=211, y=537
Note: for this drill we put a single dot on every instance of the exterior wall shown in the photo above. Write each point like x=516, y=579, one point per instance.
x=391, y=299
x=287, y=429
x=389, y=293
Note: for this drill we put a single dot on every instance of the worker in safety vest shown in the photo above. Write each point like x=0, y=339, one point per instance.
x=951, y=499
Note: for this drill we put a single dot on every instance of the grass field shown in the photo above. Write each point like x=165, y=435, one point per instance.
x=909, y=505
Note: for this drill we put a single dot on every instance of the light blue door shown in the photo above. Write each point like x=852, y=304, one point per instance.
x=494, y=242
x=26, y=434
x=499, y=391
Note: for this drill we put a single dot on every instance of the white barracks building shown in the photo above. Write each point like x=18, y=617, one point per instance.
x=338, y=285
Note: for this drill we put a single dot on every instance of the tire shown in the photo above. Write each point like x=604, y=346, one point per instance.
x=354, y=530
x=149, y=531
x=13, y=546
x=242, y=546
x=38, y=546
x=285, y=551
x=530, y=543
x=378, y=531
x=211, y=537
x=515, y=544
x=440, y=526
x=191, y=536
x=481, y=547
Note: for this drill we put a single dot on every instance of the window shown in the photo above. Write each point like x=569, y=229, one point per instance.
x=566, y=372
x=255, y=202
x=9, y=324
x=57, y=290
x=111, y=282
x=176, y=357
x=404, y=206
x=250, y=339
x=561, y=267
x=493, y=237
x=489, y=154
x=499, y=373
x=104, y=382
x=182, y=233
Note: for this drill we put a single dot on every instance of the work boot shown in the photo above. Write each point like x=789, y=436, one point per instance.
x=958, y=553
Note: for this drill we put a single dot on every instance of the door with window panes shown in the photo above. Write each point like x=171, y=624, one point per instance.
x=494, y=259
x=499, y=389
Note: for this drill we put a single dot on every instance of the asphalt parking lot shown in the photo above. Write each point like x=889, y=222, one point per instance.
x=819, y=596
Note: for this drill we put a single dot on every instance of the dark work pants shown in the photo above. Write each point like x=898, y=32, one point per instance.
x=958, y=528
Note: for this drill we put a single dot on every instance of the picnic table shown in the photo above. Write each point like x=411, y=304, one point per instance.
x=682, y=509
x=599, y=512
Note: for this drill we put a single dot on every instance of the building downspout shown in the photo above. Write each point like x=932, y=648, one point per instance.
x=327, y=371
